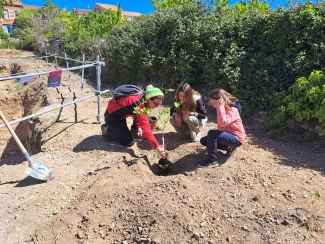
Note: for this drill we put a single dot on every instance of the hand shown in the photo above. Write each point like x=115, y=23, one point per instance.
x=185, y=116
x=140, y=132
x=178, y=120
x=162, y=154
x=221, y=102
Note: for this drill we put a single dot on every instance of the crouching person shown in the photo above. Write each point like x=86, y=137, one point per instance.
x=230, y=133
x=190, y=115
x=122, y=106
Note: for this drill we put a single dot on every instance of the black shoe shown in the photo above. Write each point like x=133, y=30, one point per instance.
x=115, y=143
x=231, y=151
x=209, y=163
x=104, y=132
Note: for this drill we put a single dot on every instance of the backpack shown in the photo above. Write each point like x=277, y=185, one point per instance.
x=127, y=90
x=238, y=106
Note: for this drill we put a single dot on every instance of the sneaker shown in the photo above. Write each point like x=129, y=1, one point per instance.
x=209, y=163
x=186, y=135
x=198, y=137
x=104, y=132
x=231, y=151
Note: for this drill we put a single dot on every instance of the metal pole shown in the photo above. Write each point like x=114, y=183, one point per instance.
x=47, y=72
x=47, y=61
x=98, y=71
x=82, y=75
x=65, y=55
x=70, y=59
x=51, y=109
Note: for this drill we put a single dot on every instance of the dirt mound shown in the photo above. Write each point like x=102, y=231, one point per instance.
x=17, y=105
x=102, y=193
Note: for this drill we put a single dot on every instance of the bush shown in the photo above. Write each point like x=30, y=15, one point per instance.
x=11, y=44
x=305, y=103
x=4, y=35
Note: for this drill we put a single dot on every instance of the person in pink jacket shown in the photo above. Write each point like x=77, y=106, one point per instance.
x=230, y=133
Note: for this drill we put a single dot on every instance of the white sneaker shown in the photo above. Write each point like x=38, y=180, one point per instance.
x=198, y=137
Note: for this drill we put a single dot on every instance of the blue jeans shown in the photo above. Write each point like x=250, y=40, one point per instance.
x=217, y=139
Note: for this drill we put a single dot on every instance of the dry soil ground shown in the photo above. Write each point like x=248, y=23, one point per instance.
x=106, y=194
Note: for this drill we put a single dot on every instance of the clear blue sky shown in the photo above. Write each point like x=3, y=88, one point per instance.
x=141, y=6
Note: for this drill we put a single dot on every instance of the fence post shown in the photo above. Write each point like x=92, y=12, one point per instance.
x=98, y=71
x=47, y=61
x=82, y=75
x=65, y=56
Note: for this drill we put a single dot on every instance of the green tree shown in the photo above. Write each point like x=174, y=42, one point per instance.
x=169, y=3
x=4, y=3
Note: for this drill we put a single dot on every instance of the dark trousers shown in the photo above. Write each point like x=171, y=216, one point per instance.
x=218, y=140
x=118, y=130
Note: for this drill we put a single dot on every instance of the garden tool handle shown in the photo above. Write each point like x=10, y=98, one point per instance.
x=22, y=148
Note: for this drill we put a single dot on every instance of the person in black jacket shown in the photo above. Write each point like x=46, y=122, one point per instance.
x=188, y=113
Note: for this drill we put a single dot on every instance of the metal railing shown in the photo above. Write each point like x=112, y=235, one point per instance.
x=97, y=63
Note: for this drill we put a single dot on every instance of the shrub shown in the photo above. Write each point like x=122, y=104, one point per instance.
x=305, y=103
x=4, y=35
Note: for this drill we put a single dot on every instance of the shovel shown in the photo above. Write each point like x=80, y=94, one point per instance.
x=37, y=170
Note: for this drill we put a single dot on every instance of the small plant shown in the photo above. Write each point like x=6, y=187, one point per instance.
x=314, y=198
x=56, y=116
x=178, y=104
x=19, y=87
x=143, y=110
x=309, y=221
x=163, y=117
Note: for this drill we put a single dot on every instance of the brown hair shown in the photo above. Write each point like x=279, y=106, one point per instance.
x=190, y=104
x=230, y=100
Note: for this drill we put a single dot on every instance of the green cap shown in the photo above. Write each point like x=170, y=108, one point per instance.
x=152, y=91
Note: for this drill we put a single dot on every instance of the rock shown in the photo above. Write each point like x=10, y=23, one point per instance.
x=196, y=235
x=80, y=234
x=244, y=228
x=156, y=241
x=102, y=224
x=285, y=222
x=203, y=224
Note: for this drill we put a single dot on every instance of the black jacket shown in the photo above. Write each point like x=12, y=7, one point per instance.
x=200, y=111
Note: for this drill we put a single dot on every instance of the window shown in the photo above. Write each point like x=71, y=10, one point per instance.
x=16, y=13
x=9, y=28
x=6, y=14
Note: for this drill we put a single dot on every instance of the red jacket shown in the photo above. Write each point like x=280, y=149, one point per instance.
x=123, y=107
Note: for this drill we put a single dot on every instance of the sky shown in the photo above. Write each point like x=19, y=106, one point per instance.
x=140, y=6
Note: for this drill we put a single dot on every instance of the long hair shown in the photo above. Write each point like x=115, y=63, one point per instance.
x=230, y=100
x=190, y=104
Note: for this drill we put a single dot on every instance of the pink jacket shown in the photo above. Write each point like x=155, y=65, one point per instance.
x=230, y=121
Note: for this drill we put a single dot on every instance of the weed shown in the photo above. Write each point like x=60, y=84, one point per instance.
x=56, y=116
x=310, y=211
x=19, y=87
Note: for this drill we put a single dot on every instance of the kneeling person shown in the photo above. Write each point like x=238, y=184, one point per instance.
x=119, y=109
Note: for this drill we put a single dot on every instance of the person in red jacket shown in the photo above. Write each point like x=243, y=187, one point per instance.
x=230, y=133
x=115, y=127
